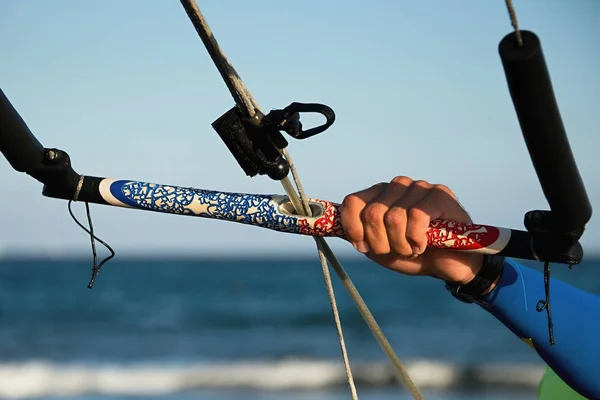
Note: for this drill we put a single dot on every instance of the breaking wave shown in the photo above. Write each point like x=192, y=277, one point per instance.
x=35, y=379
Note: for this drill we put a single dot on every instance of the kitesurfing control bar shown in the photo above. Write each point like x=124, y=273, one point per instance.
x=277, y=213
x=62, y=182
x=533, y=97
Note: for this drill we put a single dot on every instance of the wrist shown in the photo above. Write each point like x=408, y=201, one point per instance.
x=487, y=271
x=477, y=261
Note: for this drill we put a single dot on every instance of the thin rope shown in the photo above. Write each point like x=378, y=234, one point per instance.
x=300, y=202
x=363, y=309
x=248, y=105
x=243, y=98
x=336, y=318
x=514, y=21
x=402, y=374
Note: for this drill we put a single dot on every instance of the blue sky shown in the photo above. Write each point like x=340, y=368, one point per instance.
x=128, y=90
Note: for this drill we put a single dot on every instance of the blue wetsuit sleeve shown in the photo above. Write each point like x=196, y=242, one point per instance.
x=575, y=313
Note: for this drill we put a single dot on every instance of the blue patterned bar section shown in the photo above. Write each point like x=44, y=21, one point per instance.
x=253, y=209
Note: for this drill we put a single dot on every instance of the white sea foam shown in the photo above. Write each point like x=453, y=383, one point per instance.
x=34, y=379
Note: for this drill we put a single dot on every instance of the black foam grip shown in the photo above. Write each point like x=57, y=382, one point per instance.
x=533, y=98
x=20, y=147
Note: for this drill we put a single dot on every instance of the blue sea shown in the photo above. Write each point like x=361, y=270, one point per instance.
x=246, y=328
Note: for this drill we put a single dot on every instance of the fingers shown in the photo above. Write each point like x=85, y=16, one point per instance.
x=393, y=219
x=403, y=224
x=374, y=216
x=351, y=211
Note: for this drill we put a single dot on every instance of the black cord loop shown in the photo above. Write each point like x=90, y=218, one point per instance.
x=95, y=267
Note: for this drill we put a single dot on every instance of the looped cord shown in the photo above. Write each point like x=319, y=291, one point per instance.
x=545, y=304
x=95, y=267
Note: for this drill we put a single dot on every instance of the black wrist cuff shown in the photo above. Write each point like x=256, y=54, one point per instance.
x=490, y=271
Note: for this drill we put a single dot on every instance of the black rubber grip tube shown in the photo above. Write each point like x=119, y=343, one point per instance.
x=533, y=98
x=20, y=147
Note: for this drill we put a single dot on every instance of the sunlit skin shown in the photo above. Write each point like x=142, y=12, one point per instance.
x=388, y=223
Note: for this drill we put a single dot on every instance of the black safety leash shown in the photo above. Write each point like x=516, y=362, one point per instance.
x=545, y=304
x=95, y=266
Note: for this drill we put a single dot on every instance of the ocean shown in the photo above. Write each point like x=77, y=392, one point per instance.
x=249, y=328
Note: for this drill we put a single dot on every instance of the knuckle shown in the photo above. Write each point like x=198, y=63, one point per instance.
x=374, y=213
x=402, y=180
x=394, y=218
x=350, y=203
x=445, y=189
x=423, y=184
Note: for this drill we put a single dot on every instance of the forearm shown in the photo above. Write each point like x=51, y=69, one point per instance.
x=576, y=355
